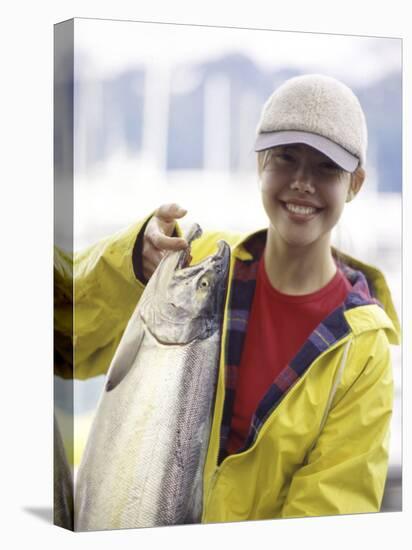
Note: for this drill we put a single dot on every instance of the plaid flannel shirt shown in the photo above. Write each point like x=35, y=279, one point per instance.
x=333, y=328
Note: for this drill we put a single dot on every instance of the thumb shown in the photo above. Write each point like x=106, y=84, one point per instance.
x=168, y=212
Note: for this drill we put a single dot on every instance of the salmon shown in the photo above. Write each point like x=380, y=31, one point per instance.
x=144, y=458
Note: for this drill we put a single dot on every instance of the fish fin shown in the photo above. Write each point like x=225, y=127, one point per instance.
x=126, y=352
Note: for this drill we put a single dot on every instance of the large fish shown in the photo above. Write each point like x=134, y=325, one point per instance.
x=144, y=459
x=63, y=483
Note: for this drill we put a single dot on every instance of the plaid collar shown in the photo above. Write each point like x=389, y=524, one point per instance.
x=331, y=330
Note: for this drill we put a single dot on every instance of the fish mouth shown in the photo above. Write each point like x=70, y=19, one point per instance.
x=184, y=257
x=221, y=258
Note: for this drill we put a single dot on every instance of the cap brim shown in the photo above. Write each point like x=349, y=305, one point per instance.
x=335, y=152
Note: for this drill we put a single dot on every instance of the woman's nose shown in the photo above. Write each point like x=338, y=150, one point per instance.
x=303, y=182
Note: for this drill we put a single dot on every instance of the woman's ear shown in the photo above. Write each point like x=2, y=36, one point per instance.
x=356, y=181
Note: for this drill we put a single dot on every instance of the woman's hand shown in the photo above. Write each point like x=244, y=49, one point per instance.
x=157, y=238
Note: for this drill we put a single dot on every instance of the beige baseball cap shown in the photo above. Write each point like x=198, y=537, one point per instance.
x=319, y=111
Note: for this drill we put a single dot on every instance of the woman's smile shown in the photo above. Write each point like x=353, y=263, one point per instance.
x=300, y=212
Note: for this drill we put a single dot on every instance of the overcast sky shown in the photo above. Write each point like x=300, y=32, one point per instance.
x=114, y=45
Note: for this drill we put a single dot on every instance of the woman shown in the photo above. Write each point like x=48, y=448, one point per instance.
x=304, y=397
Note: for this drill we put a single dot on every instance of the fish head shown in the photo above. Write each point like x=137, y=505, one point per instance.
x=187, y=301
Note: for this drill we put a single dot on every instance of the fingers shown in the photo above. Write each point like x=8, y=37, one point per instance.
x=157, y=238
x=149, y=268
x=162, y=242
x=161, y=227
x=169, y=212
x=152, y=254
x=151, y=258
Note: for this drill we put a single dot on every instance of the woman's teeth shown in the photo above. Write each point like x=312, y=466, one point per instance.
x=300, y=209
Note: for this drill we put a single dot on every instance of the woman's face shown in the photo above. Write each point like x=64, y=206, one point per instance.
x=303, y=193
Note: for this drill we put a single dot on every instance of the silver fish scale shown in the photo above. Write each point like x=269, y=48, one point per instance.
x=182, y=481
x=141, y=481
x=63, y=483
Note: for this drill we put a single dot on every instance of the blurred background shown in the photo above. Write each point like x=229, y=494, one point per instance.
x=167, y=113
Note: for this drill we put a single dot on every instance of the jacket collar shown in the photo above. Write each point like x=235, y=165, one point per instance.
x=368, y=306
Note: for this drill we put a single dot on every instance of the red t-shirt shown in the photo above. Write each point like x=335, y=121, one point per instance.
x=278, y=326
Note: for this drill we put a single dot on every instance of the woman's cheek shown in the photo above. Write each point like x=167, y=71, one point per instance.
x=336, y=194
x=269, y=202
x=269, y=183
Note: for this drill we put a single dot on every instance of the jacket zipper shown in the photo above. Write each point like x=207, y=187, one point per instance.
x=218, y=468
x=222, y=353
x=336, y=382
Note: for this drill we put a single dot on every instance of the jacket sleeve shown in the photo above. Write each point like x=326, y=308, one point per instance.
x=95, y=292
x=345, y=472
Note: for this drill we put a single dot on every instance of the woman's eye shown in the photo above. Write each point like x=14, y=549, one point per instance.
x=330, y=167
x=286, y=157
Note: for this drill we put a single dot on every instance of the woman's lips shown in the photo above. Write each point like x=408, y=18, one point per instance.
x=300, y=212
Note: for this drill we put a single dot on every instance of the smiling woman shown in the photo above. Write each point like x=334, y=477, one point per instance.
x=303, y=402
x=311, y=144
x=304, y=193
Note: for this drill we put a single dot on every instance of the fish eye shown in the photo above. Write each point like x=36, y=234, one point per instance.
x=204, y=283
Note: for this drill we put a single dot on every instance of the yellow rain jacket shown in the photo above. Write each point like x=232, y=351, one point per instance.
x=322, y=450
